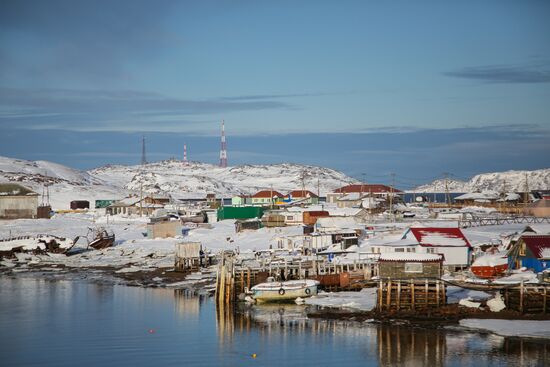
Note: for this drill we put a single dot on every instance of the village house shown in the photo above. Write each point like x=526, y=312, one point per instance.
x=211, y=199
x=449, y=242
x=17, y=201
x=303, y=197
x=364, y=190
x=241, y=200
x=351, y=200
x=532, y=252
x=133, y=205
x=400, y=265
x=477, y=198
x=266, y=197
x=79, y=204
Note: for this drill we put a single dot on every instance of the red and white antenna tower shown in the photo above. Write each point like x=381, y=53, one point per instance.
x=185, y=162
x=223, y=148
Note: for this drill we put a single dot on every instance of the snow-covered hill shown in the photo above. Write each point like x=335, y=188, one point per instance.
x=197, y=179
x=167, y=177
x=65, y=184
x=509, y=181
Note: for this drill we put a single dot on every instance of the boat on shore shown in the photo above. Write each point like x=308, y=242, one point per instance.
x=284, y=291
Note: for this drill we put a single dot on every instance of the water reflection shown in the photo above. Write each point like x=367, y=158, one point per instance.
x=392, y=344
x=69, y=322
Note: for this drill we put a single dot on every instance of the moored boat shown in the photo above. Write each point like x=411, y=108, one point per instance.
x=284, y=291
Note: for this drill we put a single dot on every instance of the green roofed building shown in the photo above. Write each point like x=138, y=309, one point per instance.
x=240, y=212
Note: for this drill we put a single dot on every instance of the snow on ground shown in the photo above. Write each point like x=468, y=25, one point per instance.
x=365, y=300
x=132, y=249
x=523, y=328
x=455, y=294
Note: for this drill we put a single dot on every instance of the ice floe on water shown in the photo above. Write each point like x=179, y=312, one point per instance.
x=523, y=328
x=365, y=300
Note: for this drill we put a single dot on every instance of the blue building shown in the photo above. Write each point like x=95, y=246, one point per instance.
x=533, y=252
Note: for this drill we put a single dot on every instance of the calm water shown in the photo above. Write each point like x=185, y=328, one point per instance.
x=70, y=323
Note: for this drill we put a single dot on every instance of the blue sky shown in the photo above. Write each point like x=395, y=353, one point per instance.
x=415, y=88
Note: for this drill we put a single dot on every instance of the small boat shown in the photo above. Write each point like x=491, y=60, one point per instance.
x=103, y=239
x=98, y=238
x=284, y=291
x=490, y=266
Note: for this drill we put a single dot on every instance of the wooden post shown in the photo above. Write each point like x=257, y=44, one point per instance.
x=521, y=297
x=248, y=278
x=426, y=292
x=506, y=299
x=380, y=295
x=437, y=292
x=242, y=280
x=388, y=295
x=398, y=295
x=544, y=300
x=412, y=294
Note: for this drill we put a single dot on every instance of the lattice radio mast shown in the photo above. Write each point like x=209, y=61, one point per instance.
x=143, y=158
x=185, y=162
x=223, y=148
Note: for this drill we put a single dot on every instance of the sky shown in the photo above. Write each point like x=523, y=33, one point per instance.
x=365, y=87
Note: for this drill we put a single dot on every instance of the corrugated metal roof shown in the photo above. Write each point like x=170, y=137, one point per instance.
x=302, y=194
x=435, y=236
x=267, y=194
x=539, y=245
x=410, y=257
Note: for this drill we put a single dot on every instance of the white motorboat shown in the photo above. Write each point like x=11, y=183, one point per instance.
x=284, y=291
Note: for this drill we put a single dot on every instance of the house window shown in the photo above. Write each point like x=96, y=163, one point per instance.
x=430, y=250
x=413, y=268
x=411, y=249
x=522, y=250
x=400, y=249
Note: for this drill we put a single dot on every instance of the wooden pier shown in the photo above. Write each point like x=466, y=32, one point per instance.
x=532, y=298
x=413, y=294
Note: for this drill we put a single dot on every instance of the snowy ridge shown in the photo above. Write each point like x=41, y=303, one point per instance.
x=166, y=177
x=509, y=181
x=198, y=179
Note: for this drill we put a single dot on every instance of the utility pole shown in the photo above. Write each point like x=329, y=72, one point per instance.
x=141, y=198
x=143, y=158
x=526, y=196
x=391, y=197
x=271, y=196
x=447, y=194
x=318, y=187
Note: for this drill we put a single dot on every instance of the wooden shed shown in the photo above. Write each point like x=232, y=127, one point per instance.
x=189, y=256
x=410, y=265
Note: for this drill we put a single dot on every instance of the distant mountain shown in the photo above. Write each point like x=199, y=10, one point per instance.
x=509, y=181
x=166, y=177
